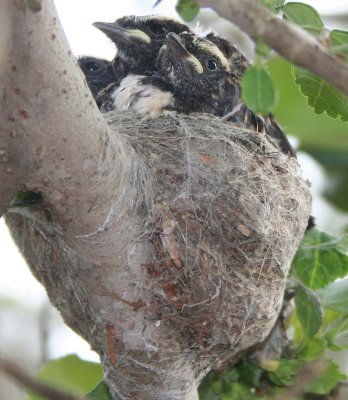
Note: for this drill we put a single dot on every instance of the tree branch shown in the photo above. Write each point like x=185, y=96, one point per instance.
x=33, y=385
x=52, y=134
x=289, y=40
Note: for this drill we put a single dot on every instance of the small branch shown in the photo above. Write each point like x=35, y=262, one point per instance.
x=290, y=41
x=31, y=384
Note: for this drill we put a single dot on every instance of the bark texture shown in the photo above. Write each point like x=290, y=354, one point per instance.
x=164, y=242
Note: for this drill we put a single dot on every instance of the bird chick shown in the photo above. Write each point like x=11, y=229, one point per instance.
x=98, y=73
x=138, y=41
x=238, y=62
x=196, y=74
x=240, y=113
x=200, y=74
x=189, y=79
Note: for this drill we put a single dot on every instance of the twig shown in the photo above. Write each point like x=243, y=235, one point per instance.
x=289, y=40
x=307, y=374
x=31, y=384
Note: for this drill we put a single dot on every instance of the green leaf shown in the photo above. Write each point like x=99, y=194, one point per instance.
x=336, y=333
x=261, y=48
x=329, y=379
x=321, y=95
x=339, y=43
x=70, y=374
x=342, y=245
x=286, y=371
x=317, y=262
x=319, y=134
x=25, y=199
x=314, y=348
x=309, y=311
x=187, y=9
x=258, y=90
x=205, y=389
x=216, y=385
x=101, y=392
x=206, y=393
x=335, y=296
x=296, y=331
x=248, y=374
x=238, y=392
x=303, y=15
x=273, y=5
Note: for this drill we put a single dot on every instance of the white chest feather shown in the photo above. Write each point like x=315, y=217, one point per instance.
x=133, y=95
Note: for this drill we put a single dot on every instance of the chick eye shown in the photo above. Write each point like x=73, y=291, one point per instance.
x=157, y=29
x=212, y=65
x=92, y=66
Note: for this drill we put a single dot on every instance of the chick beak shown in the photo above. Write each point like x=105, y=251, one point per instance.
x=120, y=35
x=179, y=51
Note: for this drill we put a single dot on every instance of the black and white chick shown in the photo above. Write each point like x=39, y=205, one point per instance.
x=196, y=74
x=98, y=73
x=192, y=76
x=138, y=40
x=241, y=114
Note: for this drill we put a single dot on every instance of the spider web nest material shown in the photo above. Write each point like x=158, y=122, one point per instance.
x=216, y=215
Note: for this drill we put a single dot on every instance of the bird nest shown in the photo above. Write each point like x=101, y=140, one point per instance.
x=220, y=212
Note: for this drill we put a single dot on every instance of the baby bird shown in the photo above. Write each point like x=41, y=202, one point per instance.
x=98, y=73
x=196, y=74
x=201, y=75
x=241, y=114
x=138, y=41
x=193, y=76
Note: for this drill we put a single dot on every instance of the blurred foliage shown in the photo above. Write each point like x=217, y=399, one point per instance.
x=70, y=374
x=273, y=5
x=314, y=260
x=101, y=392
x=303, y=15
x=324, y=138
x=339, y=43
x=187, y=9
x=315, y=131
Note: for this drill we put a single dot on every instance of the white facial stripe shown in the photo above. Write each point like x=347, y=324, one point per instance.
x=139, y=35
x=196, y=64
x=214, y=51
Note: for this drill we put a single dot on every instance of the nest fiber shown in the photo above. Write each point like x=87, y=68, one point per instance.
x=210, y=217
